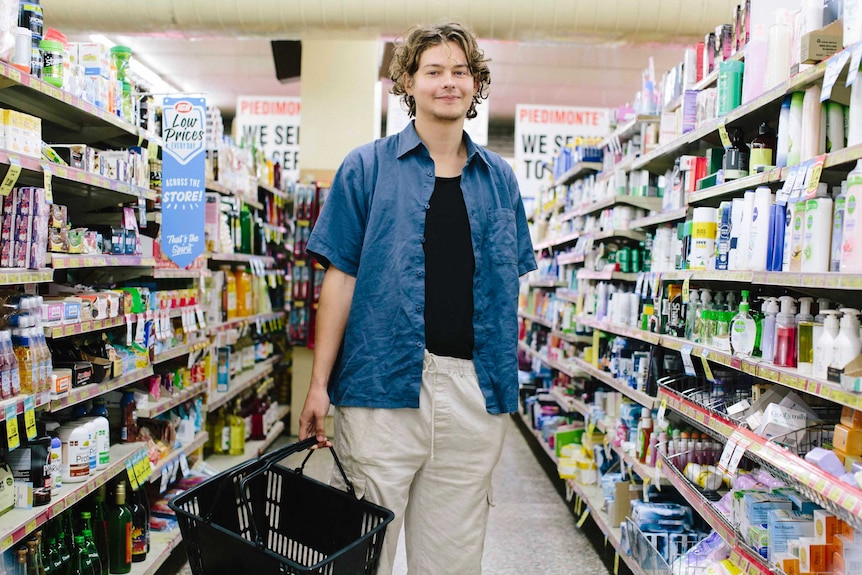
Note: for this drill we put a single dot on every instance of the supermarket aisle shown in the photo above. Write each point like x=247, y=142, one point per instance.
x=530, y=531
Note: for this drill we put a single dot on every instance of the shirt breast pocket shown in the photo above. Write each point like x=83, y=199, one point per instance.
x=502, y=243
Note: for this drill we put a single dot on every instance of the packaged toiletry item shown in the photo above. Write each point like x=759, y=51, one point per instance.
x=824, y=349
x=785, y=334
x=805, y=336
x=839, y=201
x=851, y=254
x=743, y=330
x=847, y=345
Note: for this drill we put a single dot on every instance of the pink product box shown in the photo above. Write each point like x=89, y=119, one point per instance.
x=53, y=313
x=6, y=248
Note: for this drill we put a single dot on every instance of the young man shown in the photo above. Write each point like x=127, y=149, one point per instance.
x=424, y=237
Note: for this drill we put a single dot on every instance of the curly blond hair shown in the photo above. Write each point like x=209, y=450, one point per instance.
x=405, y=60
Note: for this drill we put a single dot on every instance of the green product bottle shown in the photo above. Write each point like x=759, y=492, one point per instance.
x=99, y=527
x=237, y=431
x=91, y=552
x=82, y=564
x=119, y=532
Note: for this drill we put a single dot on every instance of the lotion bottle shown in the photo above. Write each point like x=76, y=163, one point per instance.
x=785, y=334
x=847, y=345
x=824, y=348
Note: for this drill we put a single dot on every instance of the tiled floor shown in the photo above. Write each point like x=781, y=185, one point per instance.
x=530, y=530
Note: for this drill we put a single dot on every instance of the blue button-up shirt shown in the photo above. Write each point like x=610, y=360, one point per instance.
x=372, y=227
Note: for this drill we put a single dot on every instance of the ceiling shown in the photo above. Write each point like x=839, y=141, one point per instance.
x=552, y=52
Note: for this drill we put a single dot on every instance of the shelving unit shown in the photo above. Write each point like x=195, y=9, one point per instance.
x=845, y=501
x=165, y=404
x=162, y=544
x=253, y=449
x=91, y=390
x=241, y=382
x=17, y=523
x=171, y=459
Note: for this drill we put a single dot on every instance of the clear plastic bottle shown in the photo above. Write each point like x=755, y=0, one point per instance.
x=24, y=354
x=743, y=330
x=244, y=296
x=770, y=311
x=5, y=368
x=805, y=338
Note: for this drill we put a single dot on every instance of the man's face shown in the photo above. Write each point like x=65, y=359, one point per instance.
x=442, y=85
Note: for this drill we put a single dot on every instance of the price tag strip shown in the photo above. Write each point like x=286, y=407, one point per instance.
x=13, y=439
x=11, y=176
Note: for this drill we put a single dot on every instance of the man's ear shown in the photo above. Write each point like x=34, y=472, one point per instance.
x=407, y=82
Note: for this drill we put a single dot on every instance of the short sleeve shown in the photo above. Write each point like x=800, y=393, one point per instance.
x=338, y=234
x=526, y=255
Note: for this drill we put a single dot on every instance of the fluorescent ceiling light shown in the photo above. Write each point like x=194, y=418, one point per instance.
x=139, y=71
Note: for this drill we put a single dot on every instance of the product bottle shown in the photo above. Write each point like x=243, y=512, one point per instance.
x=34, y=558
x=140, y=527
x=847, y=344
x=229, y=304
x=785, y=334
x=770, y=311
x=219, y=445
x=743, y=330
x=21, y=561
x=91, y=552
x=99, y=528
x=825, y=348
x=822, y=305
x=120, y=532
x=24, y=354
x=129, y=418
x=82, y=563
x=691, y=315
x=839, y=202
x=762, y=149
x=12, y=360
x=237, y=431
x=644, y=432
x=652, y=450
x=736, y=157
x=244, y=293
x=805, y=339
x=684, y=455
x=851, y=254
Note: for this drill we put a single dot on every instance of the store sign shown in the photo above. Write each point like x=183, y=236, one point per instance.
x=271, y=124
x=397, y=119
x=540, y=132
x=183, y=178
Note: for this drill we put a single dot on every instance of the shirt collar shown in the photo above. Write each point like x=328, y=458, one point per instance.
x=408, y=140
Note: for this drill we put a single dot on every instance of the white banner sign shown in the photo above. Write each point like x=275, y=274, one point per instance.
x=397, y=119
x=540, y=132
x=271, y=123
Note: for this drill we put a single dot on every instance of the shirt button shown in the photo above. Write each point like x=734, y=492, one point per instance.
x=418, y=308
x=418, y=344
x=419, y=274
x=427, y=206
x=430, y=174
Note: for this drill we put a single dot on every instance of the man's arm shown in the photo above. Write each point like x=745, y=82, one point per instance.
x=336, y=295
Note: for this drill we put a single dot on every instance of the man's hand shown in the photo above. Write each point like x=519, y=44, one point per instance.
x=312, y=420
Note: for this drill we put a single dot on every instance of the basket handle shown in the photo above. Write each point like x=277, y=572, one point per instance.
x=301, y=469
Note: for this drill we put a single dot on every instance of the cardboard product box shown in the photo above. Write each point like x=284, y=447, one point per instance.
x=75, y=155
x=848, y=440
x=22, y=133
x=784, y=526
x=812, y=556
x=621, y=506
x=820, y=44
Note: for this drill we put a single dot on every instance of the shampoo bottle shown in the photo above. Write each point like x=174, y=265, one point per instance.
x=805, y=338
x=822, y=306
x=824, y=349
x=817, y=242
x=743, y=330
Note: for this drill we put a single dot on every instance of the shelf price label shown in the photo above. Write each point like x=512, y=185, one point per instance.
x=855, y=60
x=130, y=472
x=13, y=439
x=48, y=177
x=725, y=138
x=834, y=67
x=686, y=360
x=814, y=173
x=11, y=176
x=30, y=417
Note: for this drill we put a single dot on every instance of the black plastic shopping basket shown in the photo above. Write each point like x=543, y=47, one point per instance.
x=262, y=518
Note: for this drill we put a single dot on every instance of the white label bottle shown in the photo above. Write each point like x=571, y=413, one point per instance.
x=823, y=348
x=851, y=252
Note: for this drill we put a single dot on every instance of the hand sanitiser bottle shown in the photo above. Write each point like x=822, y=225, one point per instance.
x=743, y=330
x=767, y=340
x=785, y=334
x=805, y=337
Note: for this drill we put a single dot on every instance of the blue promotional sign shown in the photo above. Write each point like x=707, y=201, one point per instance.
x=183, y=174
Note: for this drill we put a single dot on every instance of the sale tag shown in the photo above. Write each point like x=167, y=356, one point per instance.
x=814, y=173
x=686, y=289
x=707, y=371
x=725, y=138
x=130, y=472
x=199, y=313
x=736, y=458
x=13, y=440
x=583, y=518
x=11, y=176
x=30, y=417
x=834, y=67
x=855, y=60
x=47, y=183
x=686, y=360
x=616, y=563
x=726, y=455
x=782, y=198
x=184, y=464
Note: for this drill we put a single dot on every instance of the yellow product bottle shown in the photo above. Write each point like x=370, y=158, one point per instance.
x=21, y=343
x=244, y=304
x=220, y=433
x=237, y=431
x=230, y=306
